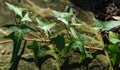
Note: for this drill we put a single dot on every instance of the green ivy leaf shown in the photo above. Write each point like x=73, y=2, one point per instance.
x=74, y=33
x=114, y=38
x=17, y=37
x=18, y=10
x=107, y=25
x=59, y=41
x=62, y=16
x=79, y=43
x=21, y=12
x=38, y=51
x=99, y=24
x=35, y=47
x=46, y=26
x=113, y=50
x=80, y=46
x=26, y=18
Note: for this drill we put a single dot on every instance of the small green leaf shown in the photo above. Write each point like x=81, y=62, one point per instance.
x=59, y=41
x=114, y=38
x=99, y=24
x=26, y=18
x=111, y=24
x=114, y=52
x=107, y=25
x=79, y=43
x=38, y=51
x=35, y=47
x=46, y=26
x=62, y=16
x=18, y=10
x=113, y=48
x=17, y=37
x=74, y=33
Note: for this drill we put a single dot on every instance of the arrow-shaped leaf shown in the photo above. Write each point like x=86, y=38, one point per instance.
x=26, y=18
x=35, y=47
x=17, y=37
x=46, y=26
x=62, y=16
x=99, y=24
x=22, y=13
x=18, y=10
x=107, y=25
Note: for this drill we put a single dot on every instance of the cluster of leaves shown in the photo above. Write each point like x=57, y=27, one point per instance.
x=38, y=51
x=76, y=40
x=112, y=48
x=19, y=28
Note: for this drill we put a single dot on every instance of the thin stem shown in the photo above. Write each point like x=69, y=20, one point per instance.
x=68, y=32
x=15, y=20
x=22, y=51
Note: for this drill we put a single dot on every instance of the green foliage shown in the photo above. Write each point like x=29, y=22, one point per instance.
x=19, y=30
x=22, y=13
x=38, y=51
x=114, y=52
x=114, y=38
x=79, y=42
x=46, y=26
x=62, y=16
x=63, y=45
x=113, y=48
x=69, y=19
x=17, y=36
x=107, y=25
x=59, y=41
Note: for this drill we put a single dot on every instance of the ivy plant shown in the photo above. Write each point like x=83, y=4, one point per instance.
x=113, y=48
x=63, y=44
x=78, y=41
x=114, y=38
x=38, y=51
x=19, y=30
